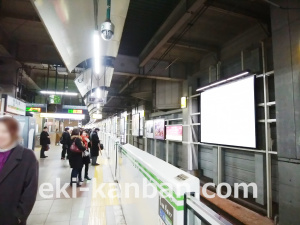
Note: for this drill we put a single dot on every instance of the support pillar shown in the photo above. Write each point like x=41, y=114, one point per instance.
x=190, y=151
x=286, y=53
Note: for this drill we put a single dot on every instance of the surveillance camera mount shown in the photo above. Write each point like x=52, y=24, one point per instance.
x=107, y=28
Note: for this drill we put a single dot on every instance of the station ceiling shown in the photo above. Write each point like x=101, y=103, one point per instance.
x=23, y=37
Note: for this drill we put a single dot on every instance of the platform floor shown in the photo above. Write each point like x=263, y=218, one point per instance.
x=88, y=208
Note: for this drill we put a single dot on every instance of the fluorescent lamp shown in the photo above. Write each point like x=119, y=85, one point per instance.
x=223, y=81
x=63, y=116
x=96, y=41
x=237, y=76
x=58, y=93
x=98, y=93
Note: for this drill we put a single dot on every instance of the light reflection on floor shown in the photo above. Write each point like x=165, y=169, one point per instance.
x=89, y=208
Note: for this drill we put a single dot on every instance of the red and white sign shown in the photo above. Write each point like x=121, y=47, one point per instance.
x=174, y=132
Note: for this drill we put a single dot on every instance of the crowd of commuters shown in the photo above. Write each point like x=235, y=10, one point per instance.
x=80, y=146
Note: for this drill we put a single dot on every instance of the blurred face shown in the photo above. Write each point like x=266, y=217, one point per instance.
x=5, y=138
x=84, y=133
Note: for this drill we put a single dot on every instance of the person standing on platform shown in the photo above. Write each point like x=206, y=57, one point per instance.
x=86, y=155
x=95, y=147
x=57, y=137
x=66, y=142
x=44, y=142
x=75, y=158
x=18, y=175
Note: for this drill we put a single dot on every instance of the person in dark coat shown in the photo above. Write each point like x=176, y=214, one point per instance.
x=95, y=147
x=18, y=176
x=66, y=142
x=44, y=142
x=75, y=158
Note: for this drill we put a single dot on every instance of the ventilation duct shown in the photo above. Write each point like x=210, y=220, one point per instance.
x=71, y=27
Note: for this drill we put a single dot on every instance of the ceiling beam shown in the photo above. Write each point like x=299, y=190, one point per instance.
x=37, y=53
x=156, y=77
x=113, y=107
x=239, y=13
x=127, y=84
x=135, y=76
x=180, y=16
x=33, y=18
x=123, y=88
x=195, y=46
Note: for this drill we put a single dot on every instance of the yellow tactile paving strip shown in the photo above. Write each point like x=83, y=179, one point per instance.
x=99, y=202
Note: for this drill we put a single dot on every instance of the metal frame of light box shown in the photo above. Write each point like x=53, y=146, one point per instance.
x=266, y=104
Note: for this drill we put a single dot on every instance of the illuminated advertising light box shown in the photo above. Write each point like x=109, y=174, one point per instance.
x=142, y=126
x=149, y=129
x=174, y=132
x=228, y=114
x=97, y=116
x=122, y=126
x=75, y=111
x=136, y=125
x=159, y=129
x=183, y=102
x=33, y=109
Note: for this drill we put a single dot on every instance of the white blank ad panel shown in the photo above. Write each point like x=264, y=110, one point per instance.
x=228, y=114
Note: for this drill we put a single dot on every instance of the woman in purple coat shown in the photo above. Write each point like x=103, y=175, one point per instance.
x=18, y=176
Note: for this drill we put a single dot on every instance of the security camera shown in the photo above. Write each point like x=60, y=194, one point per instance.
x=107, y=30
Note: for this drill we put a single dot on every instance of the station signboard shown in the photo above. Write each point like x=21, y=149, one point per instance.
x=54, y=99
x=14, y=106
x=75, y=111
x=93, y=100
x=33, y=109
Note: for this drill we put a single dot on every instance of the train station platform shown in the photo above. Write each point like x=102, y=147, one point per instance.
x=59, y=204
x=84, y=209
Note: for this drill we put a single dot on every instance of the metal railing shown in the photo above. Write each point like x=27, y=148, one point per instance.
x=196, y=213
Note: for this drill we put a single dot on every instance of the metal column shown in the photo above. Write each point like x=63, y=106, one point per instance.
x=267, y=136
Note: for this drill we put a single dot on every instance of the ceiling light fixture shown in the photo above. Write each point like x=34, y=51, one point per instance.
x=98, y=93
x=96, y=47
x=58, y=93
x=63, y=116
x=223, y=81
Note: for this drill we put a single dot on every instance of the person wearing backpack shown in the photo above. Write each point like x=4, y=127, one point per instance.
x=65, y=140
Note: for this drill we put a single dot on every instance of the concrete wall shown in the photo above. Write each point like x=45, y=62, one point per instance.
x=286, y=36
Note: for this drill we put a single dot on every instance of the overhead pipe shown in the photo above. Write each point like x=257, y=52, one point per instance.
x=170, y=27
x=178, y=38
x=108, y=11
x=56, y=78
